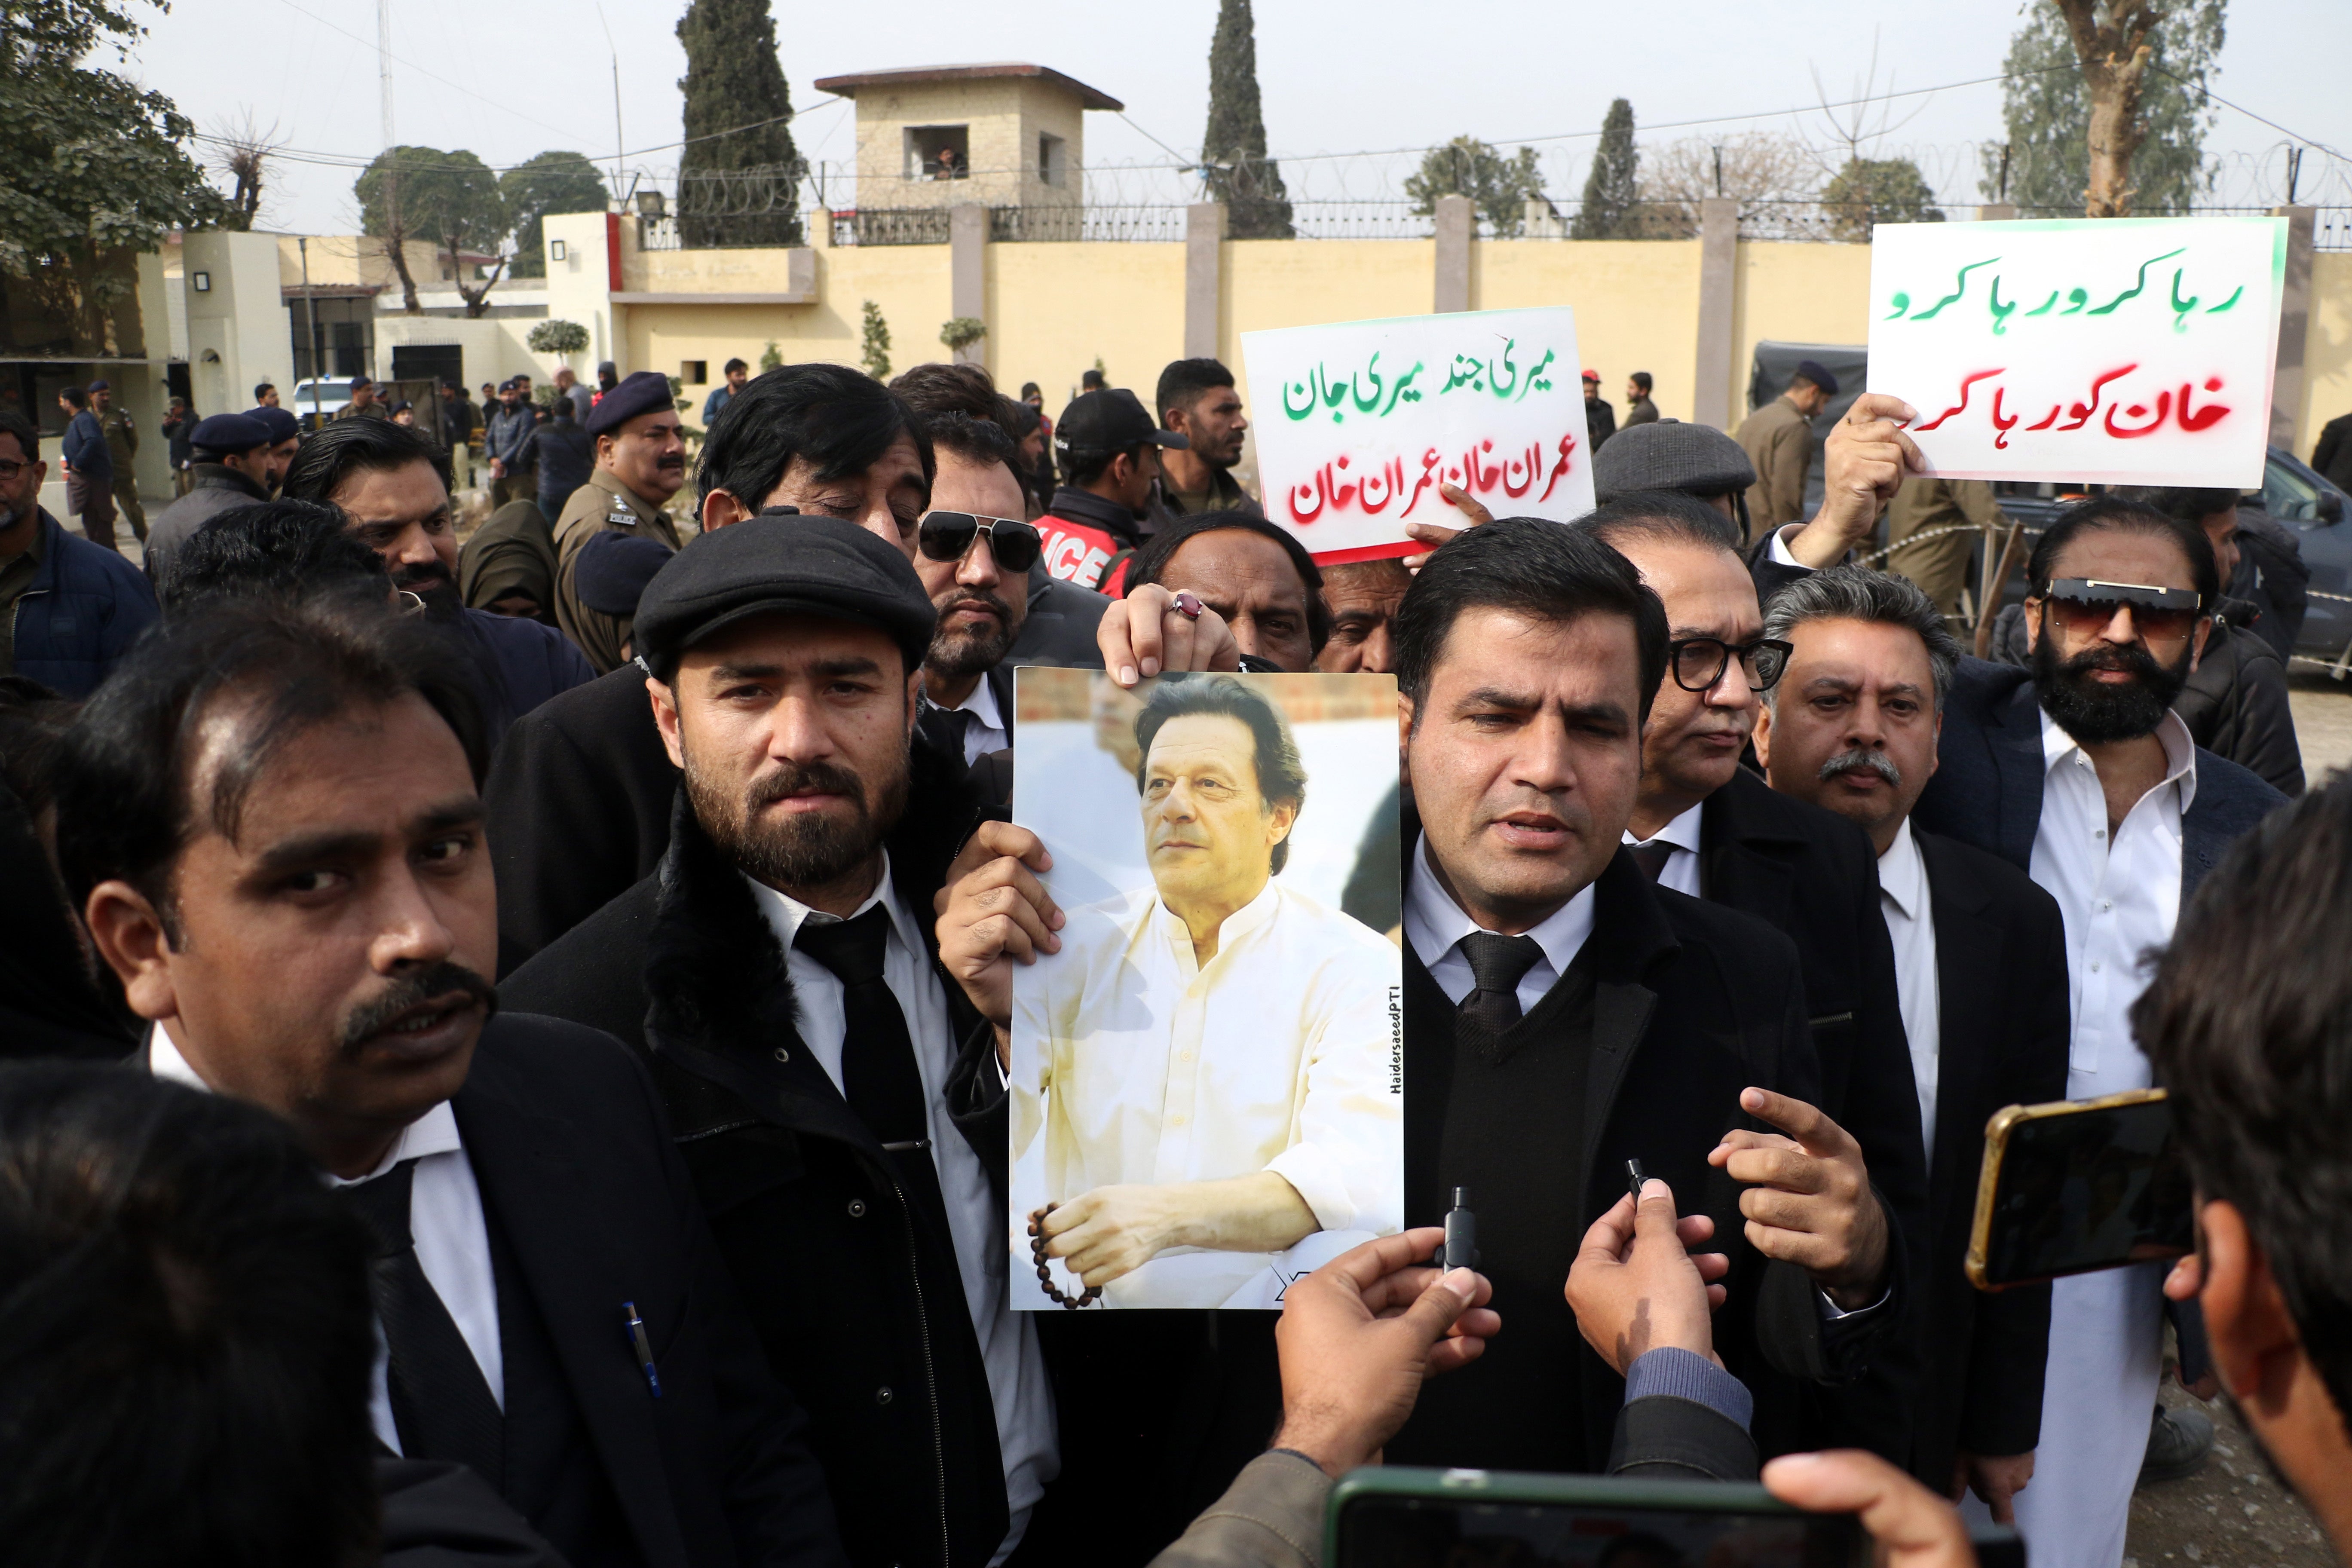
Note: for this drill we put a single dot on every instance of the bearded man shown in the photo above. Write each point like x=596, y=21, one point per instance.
x=779, y=972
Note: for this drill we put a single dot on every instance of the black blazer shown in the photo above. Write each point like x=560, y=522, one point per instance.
x=1692, y=1004
x=578, y=797
x=1811, y=873
x=2001, y=1039
x=565, y=1135
x=1988, y=786
x=854, y=1290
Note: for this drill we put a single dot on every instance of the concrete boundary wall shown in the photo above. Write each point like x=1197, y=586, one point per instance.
x=1054, y=308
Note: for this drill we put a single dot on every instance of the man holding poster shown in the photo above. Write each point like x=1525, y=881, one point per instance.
x=1208, y=1064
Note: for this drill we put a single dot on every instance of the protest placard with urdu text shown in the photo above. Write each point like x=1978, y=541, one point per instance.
x=1358, y=424
x=2121, y=351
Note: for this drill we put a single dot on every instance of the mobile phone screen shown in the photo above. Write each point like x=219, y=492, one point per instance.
x=1443, y=1533
x=2085, y=1190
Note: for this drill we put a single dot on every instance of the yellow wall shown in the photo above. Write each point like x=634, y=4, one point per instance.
x=2327, y=352
x=1053, y=309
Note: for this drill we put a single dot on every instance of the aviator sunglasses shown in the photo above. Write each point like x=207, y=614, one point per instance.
x=945, y=535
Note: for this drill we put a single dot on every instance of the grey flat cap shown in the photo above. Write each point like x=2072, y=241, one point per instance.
x=1668, y=455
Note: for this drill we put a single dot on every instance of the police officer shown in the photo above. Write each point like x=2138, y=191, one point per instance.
x=640, y=464
x=122, y=446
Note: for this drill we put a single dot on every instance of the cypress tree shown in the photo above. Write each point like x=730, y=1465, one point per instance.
x=1240, y=174
x=739, y=177
x=1611, y=190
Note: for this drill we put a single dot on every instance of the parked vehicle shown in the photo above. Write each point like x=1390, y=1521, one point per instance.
x=319, y=399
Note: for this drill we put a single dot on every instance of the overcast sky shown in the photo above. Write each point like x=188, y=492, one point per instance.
x=508, y=78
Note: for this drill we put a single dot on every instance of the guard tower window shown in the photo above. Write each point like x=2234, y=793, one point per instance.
x=1053, y=159
x=939, y=151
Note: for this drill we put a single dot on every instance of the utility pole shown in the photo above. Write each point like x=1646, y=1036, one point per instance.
x=310, y=310
x=618, y=144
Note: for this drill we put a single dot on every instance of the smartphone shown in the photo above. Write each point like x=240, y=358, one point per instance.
x=2079, y=1185
x=1398, y=1517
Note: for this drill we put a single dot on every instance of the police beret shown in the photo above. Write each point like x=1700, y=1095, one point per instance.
x=781, y=565
x=230, y=433
x=613, y=569
x=1668, y=455
x=641, y=393
x=1817, y=372
x=281, y=425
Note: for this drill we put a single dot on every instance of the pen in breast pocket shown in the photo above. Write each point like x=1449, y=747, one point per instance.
x=642, y=1346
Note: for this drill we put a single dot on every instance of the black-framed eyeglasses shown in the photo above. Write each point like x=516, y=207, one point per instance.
x=945, y=535
x=2088, y=607
x=1699, y=662
x=10, y=469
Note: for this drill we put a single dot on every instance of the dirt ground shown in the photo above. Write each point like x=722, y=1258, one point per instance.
x=2232, y=1515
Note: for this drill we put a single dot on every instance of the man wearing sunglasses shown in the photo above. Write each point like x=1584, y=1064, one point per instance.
x=1706, y=827
x=974, y=554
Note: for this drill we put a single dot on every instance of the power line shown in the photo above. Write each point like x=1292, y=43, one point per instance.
x=420, y=70
x=363, y=160
x=2209, y=92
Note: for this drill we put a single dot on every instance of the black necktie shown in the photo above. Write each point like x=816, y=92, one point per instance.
x=1496, y=964
x=1652, y=857
x=879, y=1075
x=946, y=728
x=441, y=1402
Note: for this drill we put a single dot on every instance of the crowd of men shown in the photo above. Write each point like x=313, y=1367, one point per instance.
x=621, y=911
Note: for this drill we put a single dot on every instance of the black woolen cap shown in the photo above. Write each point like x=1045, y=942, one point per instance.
x=788, y=565
x=643, y=392
x=613, y=569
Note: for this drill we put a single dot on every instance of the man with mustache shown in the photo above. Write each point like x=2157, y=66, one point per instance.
x=974, y=554
x=640, y=464
x=841, y=1107
x=2077, y=772
x=269, y=819
x=393, y=482
x=1980, y=964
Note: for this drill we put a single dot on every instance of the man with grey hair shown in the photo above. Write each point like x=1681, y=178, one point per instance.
x=1980, y=964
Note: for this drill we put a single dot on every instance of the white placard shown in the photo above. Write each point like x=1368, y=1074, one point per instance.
x=1358, y=423
x=2120, y=350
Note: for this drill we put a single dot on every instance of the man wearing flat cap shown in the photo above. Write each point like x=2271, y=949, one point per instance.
x=841, y=1108
x=640, y=464
x=1668, y=455
x=235, y=465
x=1779, y=439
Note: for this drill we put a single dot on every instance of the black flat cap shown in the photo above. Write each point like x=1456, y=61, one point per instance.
x=612, y=570
x=782, y=566
x=1817, y=372
x=1668, y=455
x=229, y=433
x=644, y=392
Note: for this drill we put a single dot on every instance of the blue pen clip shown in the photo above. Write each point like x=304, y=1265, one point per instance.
x=642, y=1346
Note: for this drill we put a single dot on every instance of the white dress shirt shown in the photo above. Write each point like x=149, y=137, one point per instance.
x=444, y=1220
x=2119, y=899
x=1903, y=899
x=1282, y=1054
x=1436, y=926
x=1008, y=1343
x=1681, y=835
x=986, y=732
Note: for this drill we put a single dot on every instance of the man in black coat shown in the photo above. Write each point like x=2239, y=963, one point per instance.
x=1980, y=961
x=580, y=792
x=556, y=1315
x=1538, y=1062
x=1709, y=828
x=822, y=1094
